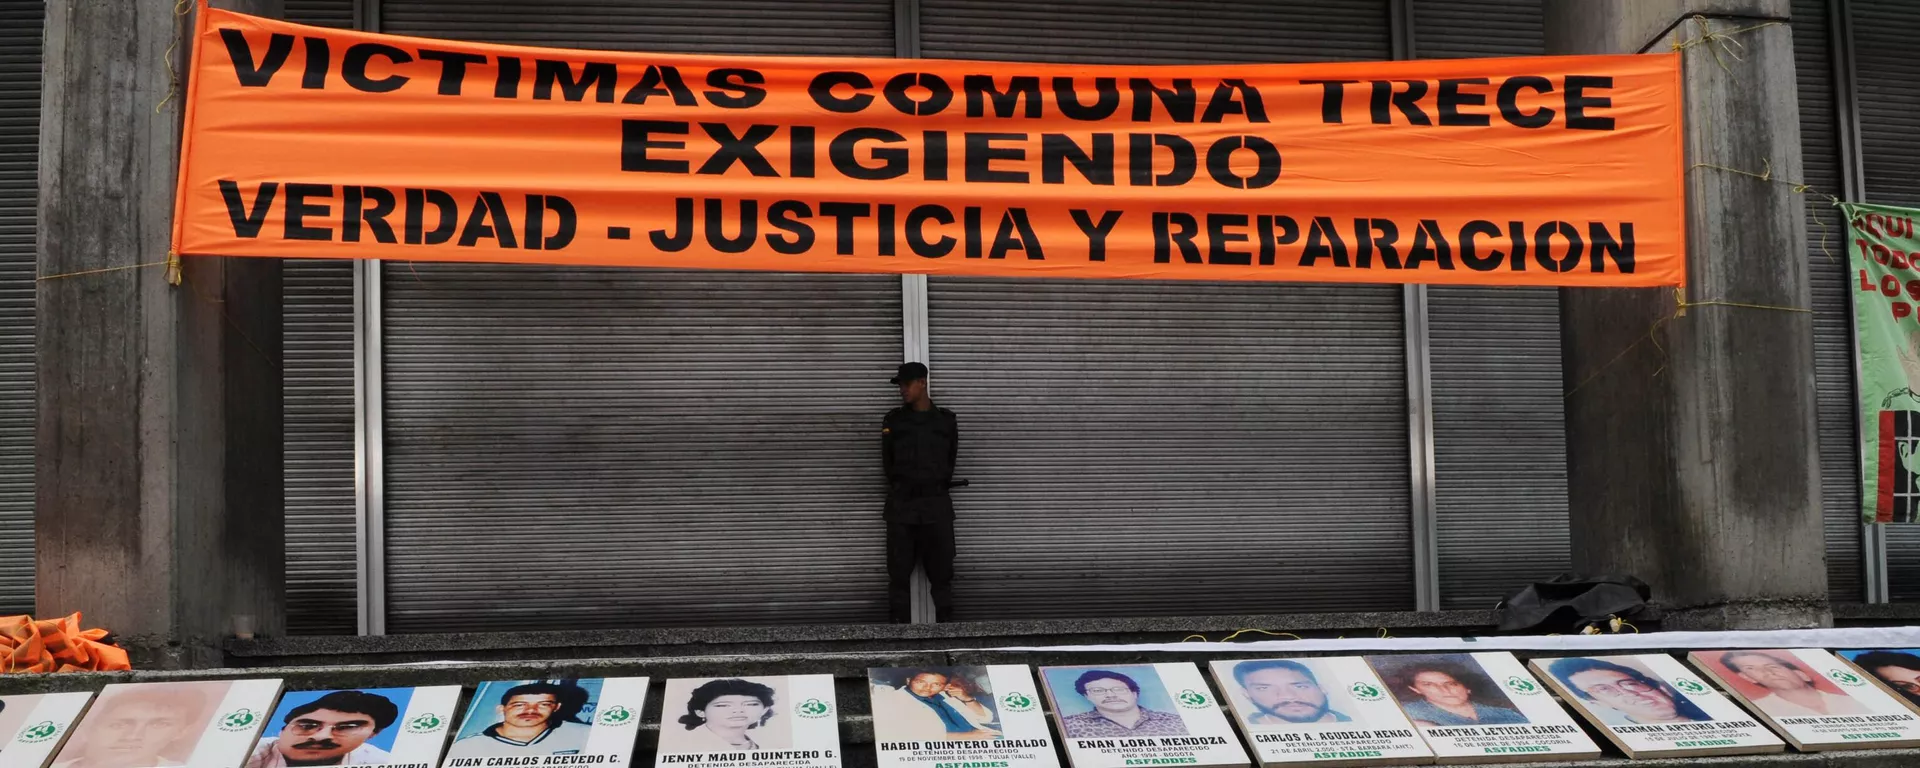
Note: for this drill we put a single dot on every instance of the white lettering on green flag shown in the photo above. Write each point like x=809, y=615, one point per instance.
x=1886, y=324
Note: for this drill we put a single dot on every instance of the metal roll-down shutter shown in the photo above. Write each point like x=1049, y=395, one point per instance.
x=20, y=27
x=1499, y=416
x=629, y=448
x=1152, y=448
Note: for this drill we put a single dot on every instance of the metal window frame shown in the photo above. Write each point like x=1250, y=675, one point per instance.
x=1419, y=345
x=369, y=419
x=1853, y=179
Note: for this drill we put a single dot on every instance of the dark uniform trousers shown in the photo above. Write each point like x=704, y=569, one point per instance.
x=918, y=451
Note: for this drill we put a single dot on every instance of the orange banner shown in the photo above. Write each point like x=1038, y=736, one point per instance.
x=309, y=142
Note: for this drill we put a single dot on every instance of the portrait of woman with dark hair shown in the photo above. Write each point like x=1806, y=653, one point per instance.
x=727, y=714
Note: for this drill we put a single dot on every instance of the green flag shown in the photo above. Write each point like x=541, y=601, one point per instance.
x=1886, y=327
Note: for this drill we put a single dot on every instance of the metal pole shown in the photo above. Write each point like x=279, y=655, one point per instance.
x=369, y=423
x=1426, y=549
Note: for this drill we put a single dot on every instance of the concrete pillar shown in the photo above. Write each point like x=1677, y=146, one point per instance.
x=1692, y=458
x=158, y=510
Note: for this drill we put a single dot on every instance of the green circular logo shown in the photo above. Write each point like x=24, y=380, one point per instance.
x=239, y=720
x=1017, y=702
x=426, y=723
x=1192, y=699
x=616, y=715
x=39, y=733
x=813, y=708
x=1522, y=686
x=1845, y=678
x=1690, y=686
x=1365, y=691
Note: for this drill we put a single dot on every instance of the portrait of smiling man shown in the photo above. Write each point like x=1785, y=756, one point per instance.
x=330, y=730
x=1624, y=695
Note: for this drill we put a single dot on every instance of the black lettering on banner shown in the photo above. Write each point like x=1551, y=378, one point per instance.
x=682, y=236
x=893, y=160
x=353, y=214
x=1517, y=235
x=1509, y=101
x=1367, y=242
x=896, y=92
x=1058, y=149
x=1606, y=246
x=1323, y=242
x=1219, y=239
x=717, y=221
x=353, y=69
x=1106, y=99
x=489, y=219
x=934, y=144
x=786, y=215
x=1005, y=240
x=1220, y=162
x=823, y=84
x=1140, y=159
x=453, y=68
x=1264, y=226
x=800, y=152
x=1430, y=244
x=1332, y=97
x=980, y=90
x=883, y=224
x=1578, y=102
x=1165, y=238
x=736, y=88
x=1543, y=246
x=506, y=82
x=743, y=149
x=636, y=138
x=1234, y=97
x=250, y=74
x=843, y=215
x=1408, y=101
x=1289, y=234
x=318, y=60
x=417, y=202
x=660, y=81
x=970, y=229
x=981, y=153
x=597, y=76
x=248, y=223
x=1096, y=232
x=563, y=232
x=917, y=231
x=1451, y=100
x=536, y=222
x=298, y=209
x=1179, y=101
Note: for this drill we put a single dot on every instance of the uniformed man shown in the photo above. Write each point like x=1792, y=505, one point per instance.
x=918, y=445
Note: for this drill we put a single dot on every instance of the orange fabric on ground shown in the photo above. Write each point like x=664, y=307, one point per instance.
x=56, y=645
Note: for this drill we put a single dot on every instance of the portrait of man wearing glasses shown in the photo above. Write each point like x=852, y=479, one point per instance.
x=1115, y=699
x=1624, y=695
x=330, y=730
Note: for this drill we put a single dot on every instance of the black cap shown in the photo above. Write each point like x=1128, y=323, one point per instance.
x=910, y=372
